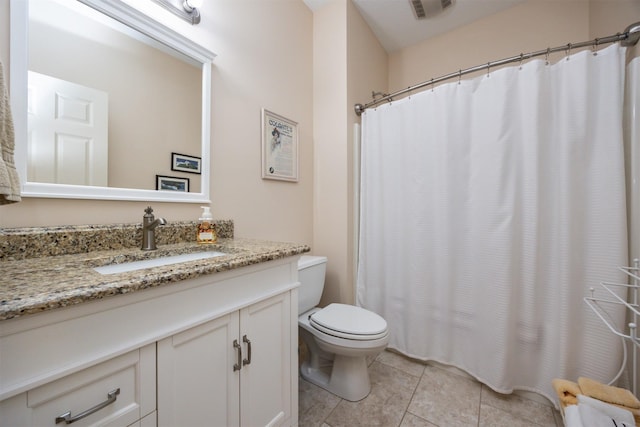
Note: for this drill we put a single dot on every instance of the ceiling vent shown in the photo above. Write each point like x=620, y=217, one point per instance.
x=428, y=8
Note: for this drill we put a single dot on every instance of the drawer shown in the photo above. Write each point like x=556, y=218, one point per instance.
x=119, y=392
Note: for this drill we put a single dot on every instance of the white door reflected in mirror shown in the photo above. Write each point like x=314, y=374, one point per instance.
x=67, y=133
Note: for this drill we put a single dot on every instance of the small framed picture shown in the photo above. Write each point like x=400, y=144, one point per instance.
x=279, y=147
x=184, y=163
x=172, y=183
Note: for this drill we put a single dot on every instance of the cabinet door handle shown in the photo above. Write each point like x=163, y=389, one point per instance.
x=67, y=418
x=248, y=359
x=237, y=366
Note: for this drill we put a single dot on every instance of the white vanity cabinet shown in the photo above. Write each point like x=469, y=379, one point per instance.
x=172, y=345
x=231, y=371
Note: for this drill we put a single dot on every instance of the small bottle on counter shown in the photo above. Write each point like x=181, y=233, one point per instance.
x=206, y=232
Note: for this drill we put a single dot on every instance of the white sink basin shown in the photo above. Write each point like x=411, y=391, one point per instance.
x=155, y=262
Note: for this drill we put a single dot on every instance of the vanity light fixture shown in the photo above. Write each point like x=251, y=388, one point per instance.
x=190, y=5
x=189, y=10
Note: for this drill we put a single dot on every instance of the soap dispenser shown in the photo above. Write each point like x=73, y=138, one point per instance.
x=206, y=232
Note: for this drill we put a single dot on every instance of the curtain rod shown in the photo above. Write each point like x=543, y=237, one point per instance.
x=629, y=37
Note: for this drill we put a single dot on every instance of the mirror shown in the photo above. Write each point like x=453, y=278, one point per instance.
x=103, y=111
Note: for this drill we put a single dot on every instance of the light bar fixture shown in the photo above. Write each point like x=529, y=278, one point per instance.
x=189, y=10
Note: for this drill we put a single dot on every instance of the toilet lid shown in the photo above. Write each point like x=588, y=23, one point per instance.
x=349, y=321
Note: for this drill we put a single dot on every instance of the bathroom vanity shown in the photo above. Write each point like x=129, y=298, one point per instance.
x=203, y=342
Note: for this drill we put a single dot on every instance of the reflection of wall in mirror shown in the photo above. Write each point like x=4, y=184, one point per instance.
x=154, y=98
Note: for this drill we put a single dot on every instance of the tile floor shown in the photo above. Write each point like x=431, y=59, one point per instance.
x=406, y=393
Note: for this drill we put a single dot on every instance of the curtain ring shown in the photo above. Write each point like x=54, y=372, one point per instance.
x=459, y=76
x=521, y=59
x=568, y=50
x=546, y=57
x=595, y=46
x=432, y=85
x=488, y=68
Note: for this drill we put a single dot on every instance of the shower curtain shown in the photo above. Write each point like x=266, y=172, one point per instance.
x=489, y=207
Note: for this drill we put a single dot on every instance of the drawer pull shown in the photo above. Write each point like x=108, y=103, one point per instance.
x=248, y=359
x=237, y=366
x=67, y=418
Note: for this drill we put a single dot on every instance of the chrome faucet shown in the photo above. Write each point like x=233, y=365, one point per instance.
x=149, y=224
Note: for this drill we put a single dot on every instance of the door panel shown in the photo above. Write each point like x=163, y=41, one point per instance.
x=196, y=382
x=67, y=132
x=265, y=382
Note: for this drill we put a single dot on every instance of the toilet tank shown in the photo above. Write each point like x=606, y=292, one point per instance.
x=311, y=271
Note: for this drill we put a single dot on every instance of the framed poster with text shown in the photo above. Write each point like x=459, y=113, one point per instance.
x=279, y=147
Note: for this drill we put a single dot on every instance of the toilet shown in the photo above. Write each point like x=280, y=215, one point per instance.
x=339, y=337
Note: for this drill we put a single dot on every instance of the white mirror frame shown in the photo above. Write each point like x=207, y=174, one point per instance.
x=19, y=19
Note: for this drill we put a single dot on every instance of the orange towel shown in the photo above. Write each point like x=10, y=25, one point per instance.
x=567, y=391
x=606, y=393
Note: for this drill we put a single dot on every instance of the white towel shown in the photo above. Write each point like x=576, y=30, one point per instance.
x=595, y=413
x=571, y=416
x=592, y=417
x=9, y=180
x=621, y=416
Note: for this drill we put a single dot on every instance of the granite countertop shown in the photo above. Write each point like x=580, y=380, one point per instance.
x=35, y=285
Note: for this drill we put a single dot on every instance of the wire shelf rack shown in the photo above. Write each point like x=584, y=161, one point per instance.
x=613, y=291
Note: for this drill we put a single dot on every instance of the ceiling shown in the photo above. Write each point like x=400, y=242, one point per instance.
x=394, y=24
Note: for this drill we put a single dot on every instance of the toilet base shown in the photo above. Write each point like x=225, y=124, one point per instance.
x=335, y=364
x=346, y=377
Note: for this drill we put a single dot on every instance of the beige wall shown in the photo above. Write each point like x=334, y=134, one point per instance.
x=348, y=61
x=531, y=26
x=330, y=227
x=608, y=17
x=264, y=59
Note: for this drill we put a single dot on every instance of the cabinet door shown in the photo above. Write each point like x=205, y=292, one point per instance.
x=265, y=382
x=148, y=421
x=197, y=385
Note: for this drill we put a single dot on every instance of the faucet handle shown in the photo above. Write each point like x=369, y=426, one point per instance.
x=148, y=216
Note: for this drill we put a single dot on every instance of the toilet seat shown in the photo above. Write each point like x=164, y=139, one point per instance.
x=349, y=322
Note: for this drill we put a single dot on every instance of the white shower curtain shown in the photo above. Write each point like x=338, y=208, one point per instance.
x=489, y=207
